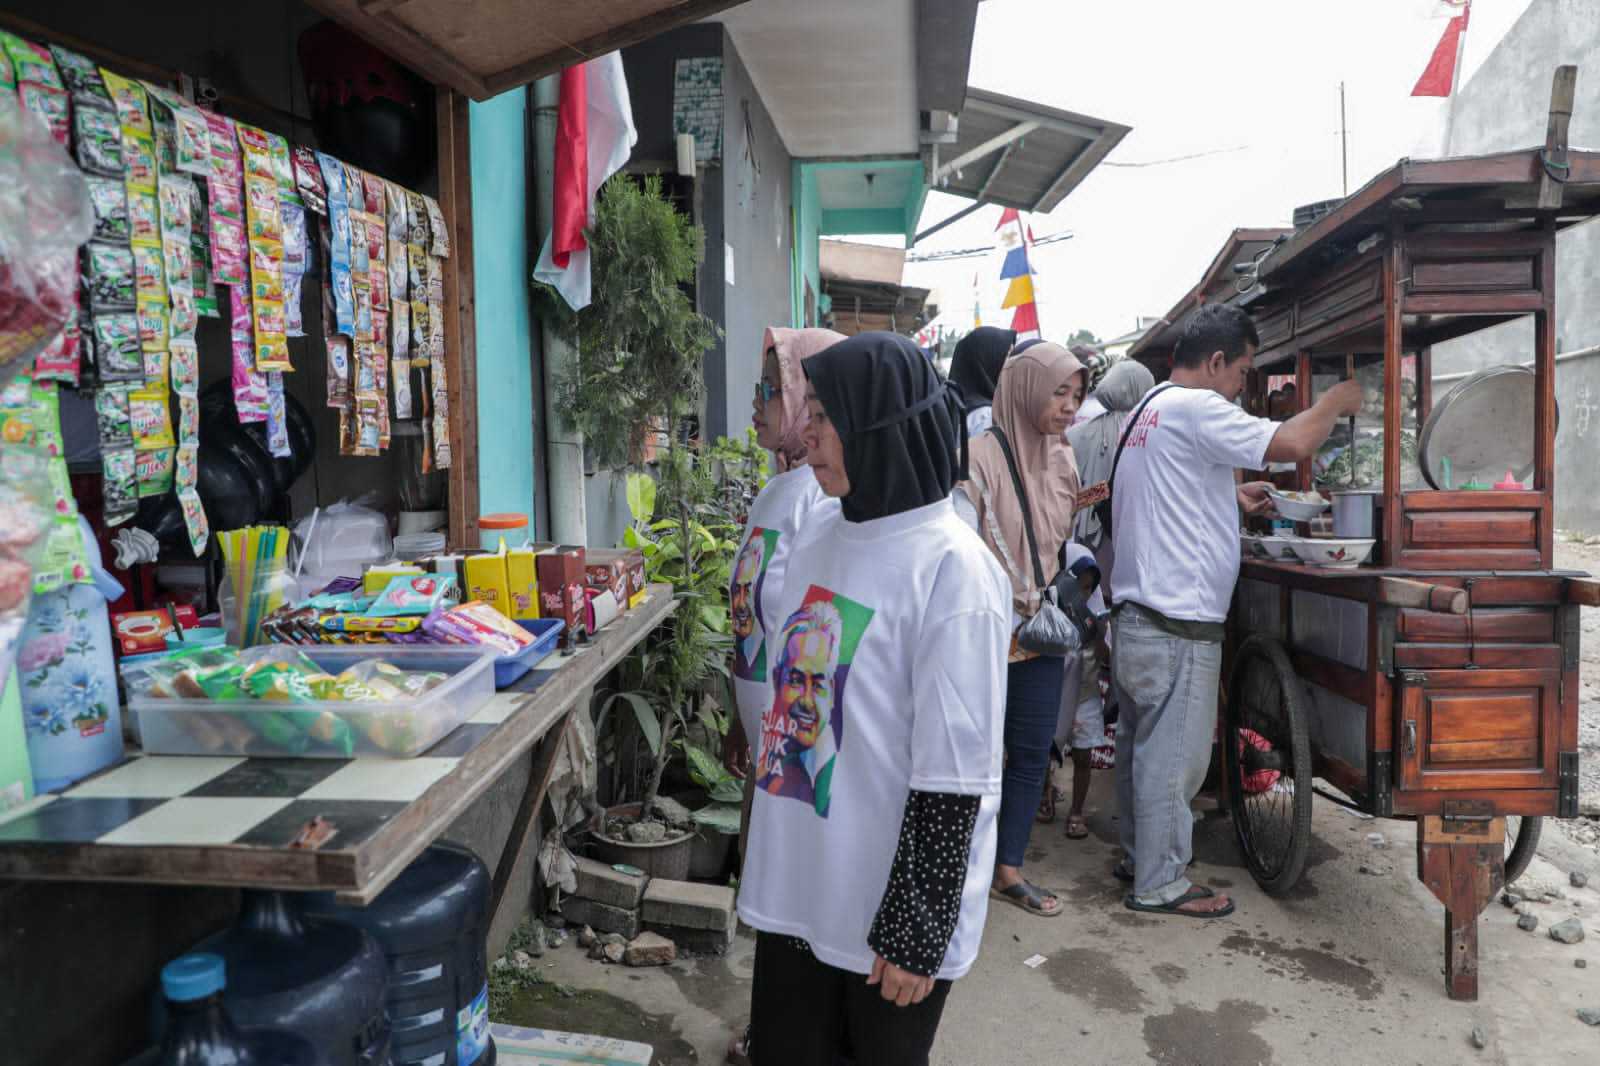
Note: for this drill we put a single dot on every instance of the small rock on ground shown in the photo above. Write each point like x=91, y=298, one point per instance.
x=1510, y=899
x=613, y=953
x=650, y=949
x=1582, y=964
x=1589, y=1015
x=1480, y=1039
x=1527, y=923
x=1567, y=932
x=1578, y=878
x=586, y=937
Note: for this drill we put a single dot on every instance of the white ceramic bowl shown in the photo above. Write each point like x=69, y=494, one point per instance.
x=1297, y=510
x=1332, y=552
x=1278, y=547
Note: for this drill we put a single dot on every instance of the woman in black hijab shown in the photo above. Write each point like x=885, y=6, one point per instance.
x=863, y=919
x=975, y=366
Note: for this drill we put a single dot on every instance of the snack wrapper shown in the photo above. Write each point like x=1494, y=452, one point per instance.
x=97, y=139
x=414, y=594
x=128, y=97
x=475, y=622
x=308, y=179
x=121, y=488
x=116, y=344
x=249, y=384
x=154, y=471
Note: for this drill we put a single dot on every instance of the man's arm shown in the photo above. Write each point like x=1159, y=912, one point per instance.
x=1301, y=436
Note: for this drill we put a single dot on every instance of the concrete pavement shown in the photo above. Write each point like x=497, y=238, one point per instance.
x=1346, y=970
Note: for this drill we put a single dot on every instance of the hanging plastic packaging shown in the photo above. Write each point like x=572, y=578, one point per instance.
x=45, y=214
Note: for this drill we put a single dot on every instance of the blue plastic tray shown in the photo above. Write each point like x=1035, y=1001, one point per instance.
x=546, y=631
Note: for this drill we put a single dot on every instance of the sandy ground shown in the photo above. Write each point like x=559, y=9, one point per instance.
x=1348, y=969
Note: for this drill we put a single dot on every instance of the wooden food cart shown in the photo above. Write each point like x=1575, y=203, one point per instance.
x=1439, y=681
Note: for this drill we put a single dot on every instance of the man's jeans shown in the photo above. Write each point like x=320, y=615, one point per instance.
x=1167, y=692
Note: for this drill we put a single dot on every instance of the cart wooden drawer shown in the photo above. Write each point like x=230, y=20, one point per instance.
x=1478, y=729
x=1471, y=531
x=1504, y=626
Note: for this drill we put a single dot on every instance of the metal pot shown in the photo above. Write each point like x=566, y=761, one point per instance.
x=1355, y=512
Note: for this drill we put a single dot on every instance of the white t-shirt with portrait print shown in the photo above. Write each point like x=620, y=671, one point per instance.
x=782, y=507
x=1174, y=508
x=889, y=676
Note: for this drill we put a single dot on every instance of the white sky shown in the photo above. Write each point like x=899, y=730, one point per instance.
x=1190, y=77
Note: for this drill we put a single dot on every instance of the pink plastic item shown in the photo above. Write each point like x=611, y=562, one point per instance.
x=1509, y=483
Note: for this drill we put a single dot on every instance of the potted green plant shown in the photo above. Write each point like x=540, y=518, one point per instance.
x=635, y=377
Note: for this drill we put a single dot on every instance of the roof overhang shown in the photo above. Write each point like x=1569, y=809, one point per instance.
x=842, y=78
x=483, y=47
x=1218, y=283
x=1019, y=154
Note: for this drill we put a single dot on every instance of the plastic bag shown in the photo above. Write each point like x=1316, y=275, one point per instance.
x=27, y=512
x=45, y=214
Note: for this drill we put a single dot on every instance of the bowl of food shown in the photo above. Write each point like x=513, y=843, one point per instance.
x=1338, y=553
x=1298, y=506
x=1277, y=547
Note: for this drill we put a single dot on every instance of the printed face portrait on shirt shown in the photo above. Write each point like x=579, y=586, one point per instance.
x=744, y=604
x=802, y=732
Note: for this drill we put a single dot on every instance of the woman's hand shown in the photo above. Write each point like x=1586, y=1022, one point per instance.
x=900, y=987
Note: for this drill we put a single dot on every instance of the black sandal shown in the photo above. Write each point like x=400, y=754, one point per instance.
x=1029, y=897
x=1175, y=906
x=1123, y=872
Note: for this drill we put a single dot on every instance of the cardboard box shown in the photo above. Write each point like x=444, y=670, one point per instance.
x=560, y=573
x=522, y=582
x=636, y=579
x=486, y=581
x=608, y=569
x=141, y=632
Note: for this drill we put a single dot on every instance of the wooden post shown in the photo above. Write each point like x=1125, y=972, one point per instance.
x=1553, y=175
x=1393, y=325
x=460, y=311
x=1463, y=865
x=1302, y=397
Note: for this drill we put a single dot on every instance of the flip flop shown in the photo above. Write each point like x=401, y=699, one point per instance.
x=1029, y=897
x=1173, y=906
x=1077, y=827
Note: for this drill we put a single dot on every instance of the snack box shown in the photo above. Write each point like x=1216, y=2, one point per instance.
x=142, y=632
x=395, y=729
x=608, y=569
x=486, y=581
x=561, y=583
x=522, y=583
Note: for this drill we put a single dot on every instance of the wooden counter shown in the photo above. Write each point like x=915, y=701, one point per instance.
x=234, y=821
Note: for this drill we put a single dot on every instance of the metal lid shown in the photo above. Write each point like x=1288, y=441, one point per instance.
x=1482, y=428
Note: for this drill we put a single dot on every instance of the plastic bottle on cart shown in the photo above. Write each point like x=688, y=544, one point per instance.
x=69, y=680
x=433, y=924
x=321, y=981
x=201, y=1033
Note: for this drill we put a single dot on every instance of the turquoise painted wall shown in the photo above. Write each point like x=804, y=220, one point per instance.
x=501, y=156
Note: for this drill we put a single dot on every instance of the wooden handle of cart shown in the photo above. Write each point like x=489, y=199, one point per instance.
x=1402, y=592
x=1584, y=591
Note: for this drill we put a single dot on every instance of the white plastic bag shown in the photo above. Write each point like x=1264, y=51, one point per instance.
x=45, y=214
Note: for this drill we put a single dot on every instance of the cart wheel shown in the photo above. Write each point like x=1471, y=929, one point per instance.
x=1522, y=841
x=1266, y=752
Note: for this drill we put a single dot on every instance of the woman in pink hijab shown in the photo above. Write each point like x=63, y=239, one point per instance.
x=783, y=506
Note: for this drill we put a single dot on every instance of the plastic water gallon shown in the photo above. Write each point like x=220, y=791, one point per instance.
x=202, y=1033
x=69, y=682
x=320, y=981
x=433, y=925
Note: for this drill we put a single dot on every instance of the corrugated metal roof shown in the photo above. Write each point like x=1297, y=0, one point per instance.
x=1035, y=155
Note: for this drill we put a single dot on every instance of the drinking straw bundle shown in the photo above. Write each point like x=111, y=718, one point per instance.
x=255, y=558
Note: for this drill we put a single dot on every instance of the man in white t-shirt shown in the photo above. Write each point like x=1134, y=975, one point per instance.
x=1175, y=524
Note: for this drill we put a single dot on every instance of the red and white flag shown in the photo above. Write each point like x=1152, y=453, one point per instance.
x=1439, y=77
x=594, y=136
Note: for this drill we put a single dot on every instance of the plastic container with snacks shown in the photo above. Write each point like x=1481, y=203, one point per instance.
x=373, y=700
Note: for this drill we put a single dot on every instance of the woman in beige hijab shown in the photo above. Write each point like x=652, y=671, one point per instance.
x=1040, y=389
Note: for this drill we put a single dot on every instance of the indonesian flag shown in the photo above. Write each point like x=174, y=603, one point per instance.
x=594, y=136
x=1438, y=79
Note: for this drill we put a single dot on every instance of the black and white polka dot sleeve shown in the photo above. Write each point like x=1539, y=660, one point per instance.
x=918, y=914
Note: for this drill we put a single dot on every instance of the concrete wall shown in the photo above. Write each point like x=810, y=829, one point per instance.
x=1504, y=107
x=507, y=410
x=757, y=232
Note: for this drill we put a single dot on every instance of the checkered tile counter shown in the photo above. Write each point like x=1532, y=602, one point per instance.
x=233, y=821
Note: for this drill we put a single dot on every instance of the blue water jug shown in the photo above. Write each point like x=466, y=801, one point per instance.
x=200, y=1032
x=321, y=981
x=432, y=924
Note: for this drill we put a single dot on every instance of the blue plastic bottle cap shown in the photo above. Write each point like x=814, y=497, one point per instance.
x=191, y=977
